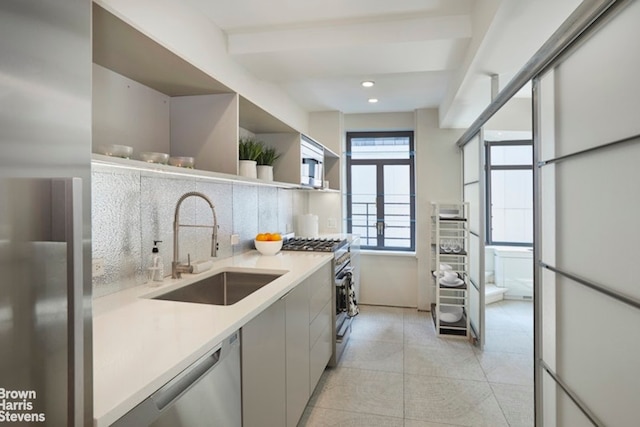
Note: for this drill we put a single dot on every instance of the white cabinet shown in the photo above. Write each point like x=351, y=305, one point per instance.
x=320, y=324
x=264, y=368
x=284, y=352
x=450, y=265
x=297, y=351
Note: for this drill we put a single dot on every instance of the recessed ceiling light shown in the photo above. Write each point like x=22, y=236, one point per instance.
x=368, y=83
x=373, y=100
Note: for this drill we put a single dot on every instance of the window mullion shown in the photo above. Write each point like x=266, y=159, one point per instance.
x=380, y=203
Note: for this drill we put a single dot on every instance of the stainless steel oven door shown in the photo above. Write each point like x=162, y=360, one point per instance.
x=342, y=320
x=343, y=331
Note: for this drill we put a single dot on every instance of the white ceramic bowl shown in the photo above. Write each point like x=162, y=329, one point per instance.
x=115, y=150
x=151, y=157
x=182, y=162
x=268, y=248
x=450, y=314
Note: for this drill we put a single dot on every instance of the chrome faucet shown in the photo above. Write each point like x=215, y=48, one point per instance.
x=176, y=268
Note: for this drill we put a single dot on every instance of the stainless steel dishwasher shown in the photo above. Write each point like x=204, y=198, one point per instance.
x=206, y=394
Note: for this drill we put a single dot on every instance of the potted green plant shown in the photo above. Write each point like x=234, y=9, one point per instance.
x=265, y=163
x=249, y=150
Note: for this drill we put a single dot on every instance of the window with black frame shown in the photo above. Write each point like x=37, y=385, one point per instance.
x=381, y=189
x=509, y=193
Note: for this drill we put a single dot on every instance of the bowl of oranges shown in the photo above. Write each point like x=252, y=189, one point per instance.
x=268, y=243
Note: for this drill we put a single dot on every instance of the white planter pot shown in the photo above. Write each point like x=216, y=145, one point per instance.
x=265, y=172
x=248, y=168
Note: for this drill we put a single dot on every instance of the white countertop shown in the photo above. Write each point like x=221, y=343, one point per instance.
x=139, y=343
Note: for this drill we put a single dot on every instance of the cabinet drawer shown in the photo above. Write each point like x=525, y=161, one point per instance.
x=319, y=356
x=317, y=326
x=319, y=291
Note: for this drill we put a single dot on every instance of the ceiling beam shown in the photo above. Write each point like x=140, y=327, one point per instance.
x=349, y=35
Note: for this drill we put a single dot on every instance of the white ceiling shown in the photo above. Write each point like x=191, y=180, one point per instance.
x=421, y=53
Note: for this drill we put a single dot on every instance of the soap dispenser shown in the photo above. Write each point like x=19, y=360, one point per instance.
x=156, y=269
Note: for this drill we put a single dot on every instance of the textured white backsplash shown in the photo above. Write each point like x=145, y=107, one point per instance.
x=132, y=208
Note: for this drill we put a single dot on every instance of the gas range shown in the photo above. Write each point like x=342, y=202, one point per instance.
x=344, y=305
x=313, y=244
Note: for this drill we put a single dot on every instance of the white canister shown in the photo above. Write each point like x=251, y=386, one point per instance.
x=307, y=225
x=248, y=168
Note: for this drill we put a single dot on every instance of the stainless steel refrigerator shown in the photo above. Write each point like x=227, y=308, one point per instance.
x=45, y=213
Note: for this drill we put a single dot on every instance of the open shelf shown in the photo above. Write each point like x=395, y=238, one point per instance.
x=151, y=98
x=458, y=328
x=450, y=230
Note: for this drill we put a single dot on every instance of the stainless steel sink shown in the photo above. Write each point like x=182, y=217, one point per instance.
x=225, y=288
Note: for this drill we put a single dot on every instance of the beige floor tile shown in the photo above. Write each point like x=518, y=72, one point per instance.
x=508, y=342
x=501, y=321
x=509, y=327
x=359, y=390
x=507, y=368
x=382, y=313
x=369, y=389
x=425, y=334
x=515, y=306
x=377, y=329
x=322, y=417
x=374, y=355
x=443, y=362
x=418, y=333
x=524, y=322
x=412, y=315
x=516, y=403
x=420, y=423
x=444, y=400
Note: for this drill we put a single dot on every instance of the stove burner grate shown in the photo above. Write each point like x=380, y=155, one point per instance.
x=313, y=244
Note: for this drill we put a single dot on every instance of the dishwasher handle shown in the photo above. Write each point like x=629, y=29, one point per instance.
x=177, y=386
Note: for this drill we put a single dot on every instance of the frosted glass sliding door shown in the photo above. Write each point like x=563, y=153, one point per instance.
x=587, y=244
x=473, y=191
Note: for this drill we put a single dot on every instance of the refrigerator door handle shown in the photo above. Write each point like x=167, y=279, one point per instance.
x=71, y=201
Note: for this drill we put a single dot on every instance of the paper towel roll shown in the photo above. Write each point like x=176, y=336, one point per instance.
x=308, y=225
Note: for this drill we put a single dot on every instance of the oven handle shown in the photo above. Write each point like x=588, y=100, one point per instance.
x=341, y=268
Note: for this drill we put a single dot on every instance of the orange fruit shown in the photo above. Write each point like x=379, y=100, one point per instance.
x=276, y=237
x=262, y=237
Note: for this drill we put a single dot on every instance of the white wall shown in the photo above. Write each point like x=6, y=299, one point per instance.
x=328, y=207
x=515, y=115
x=437, y=178
x=327, y=127
x=379, y=122
x=126, y=112
x=385, y=279
x=190, y=35
x=388, y=280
